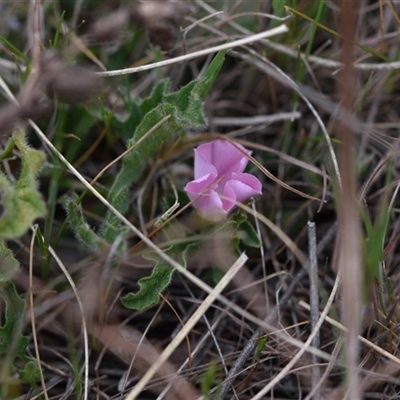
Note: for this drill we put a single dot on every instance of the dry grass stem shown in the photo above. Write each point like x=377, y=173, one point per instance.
x=314, y=302
x=215, y=293
x=303, y=349
x=236, y=43
x=349, y=233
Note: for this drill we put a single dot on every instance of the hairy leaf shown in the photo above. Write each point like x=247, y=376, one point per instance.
x=235, y=232
x=21, y=200
x=12, y=342
x=8, y=264
x=81, y=228
x=152, y=286
x=185, y=111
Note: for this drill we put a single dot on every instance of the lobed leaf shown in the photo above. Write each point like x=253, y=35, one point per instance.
x=12, y=342
x=81, y=228
x=152, y=286
x=185, y=110
x=22, y=201
x=8, y=264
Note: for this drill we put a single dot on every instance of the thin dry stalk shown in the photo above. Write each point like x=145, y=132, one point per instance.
x=314, y=302
x=82, y=311
x=271, y=69
x=33, y=322
x=303, y=349
x=241, y=42
x=202, y=342
x=248, y=350
x=208, y=301
x=349, y=234
x=331, y=64
x=362, y=339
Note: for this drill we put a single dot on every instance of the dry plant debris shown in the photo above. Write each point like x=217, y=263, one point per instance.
x=113, y=285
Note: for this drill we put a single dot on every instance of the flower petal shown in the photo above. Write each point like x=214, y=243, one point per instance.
x=209, y=203
x=239, y=189
x=202, y=162
x=229, y=197
x=210, y=206
x=224, y=156
x=251, y=182
x=219, y=182
x=200, y=186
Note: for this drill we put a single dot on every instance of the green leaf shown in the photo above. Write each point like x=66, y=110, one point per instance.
x=134, y=163
x=13, y=49
x=8, y=151
x=205, y=83
x=374, y=244
x=248, y=235
x=125, y=129
x=245, y=232
x=185, y=111
x=187, y=102
x=262, y=341
x=73, y=119
x=22, y=201
x=278, y=6
x=207, y=382
x=156, y=97
x=12, y=342
x=54, y=44
x=8, y=264
x=215, y=275
x=30, y=373
x=334, y=33
x=12, y=327
x=81, y=228
x=152, y=286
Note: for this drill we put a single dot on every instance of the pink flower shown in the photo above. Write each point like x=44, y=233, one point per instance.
x=219, y=179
